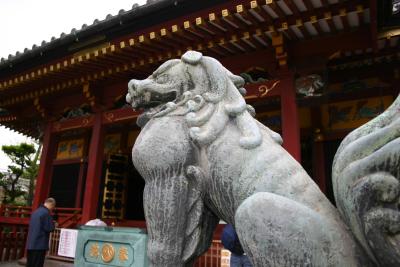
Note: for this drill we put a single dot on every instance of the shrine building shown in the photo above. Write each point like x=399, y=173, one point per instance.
x=314, y=71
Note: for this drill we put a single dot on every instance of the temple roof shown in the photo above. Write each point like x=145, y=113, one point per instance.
x=78, y=67
x=76, y=34
x=155, y=11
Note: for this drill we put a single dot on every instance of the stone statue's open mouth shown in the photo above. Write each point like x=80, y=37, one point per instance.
x=151, y=103
x=151, y=100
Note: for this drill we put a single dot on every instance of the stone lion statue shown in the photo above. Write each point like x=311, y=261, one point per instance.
x=366, y=173
x=204, y=157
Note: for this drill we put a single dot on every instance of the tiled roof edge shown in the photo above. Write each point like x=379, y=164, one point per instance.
x=85, y=30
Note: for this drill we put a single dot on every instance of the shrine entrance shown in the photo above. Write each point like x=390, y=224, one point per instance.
x=66, y=185
x=134, y=201
x=122, y=190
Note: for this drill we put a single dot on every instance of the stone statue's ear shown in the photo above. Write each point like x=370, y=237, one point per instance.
x=192, y=57
x=217, y=77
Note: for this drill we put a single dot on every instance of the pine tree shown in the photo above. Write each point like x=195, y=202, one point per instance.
x=20, y=156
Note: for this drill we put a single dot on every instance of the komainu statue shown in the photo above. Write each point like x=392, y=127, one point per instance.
x=366, y=173
x=205, y=158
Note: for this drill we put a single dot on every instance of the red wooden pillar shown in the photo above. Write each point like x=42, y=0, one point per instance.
x=81, y=180
x=43, y=180
x=290, y=117
x=94, y=170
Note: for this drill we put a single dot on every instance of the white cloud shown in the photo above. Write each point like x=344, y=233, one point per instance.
x=27, y=22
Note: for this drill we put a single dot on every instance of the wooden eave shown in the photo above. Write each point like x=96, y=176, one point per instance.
x=238, y=27
x=336, y=32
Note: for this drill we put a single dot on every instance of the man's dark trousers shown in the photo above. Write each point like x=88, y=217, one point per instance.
x=35, y=258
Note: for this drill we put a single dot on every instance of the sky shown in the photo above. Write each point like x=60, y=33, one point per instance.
x=27, y=22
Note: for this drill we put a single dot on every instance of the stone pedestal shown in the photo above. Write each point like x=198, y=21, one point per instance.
x=111, y=246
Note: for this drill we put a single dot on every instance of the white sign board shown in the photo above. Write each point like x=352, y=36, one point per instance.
x=225, y=258
x=67, y=245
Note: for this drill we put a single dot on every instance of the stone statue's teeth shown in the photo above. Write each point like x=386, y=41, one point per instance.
x=147, y=96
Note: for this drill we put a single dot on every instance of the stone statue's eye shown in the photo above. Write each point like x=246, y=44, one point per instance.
x=162, y=78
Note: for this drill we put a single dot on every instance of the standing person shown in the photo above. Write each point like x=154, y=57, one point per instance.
x=231, y=242
x=40, y=226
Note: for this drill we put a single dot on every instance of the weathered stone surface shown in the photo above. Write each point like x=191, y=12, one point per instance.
x=204, y=158
x=366, y=175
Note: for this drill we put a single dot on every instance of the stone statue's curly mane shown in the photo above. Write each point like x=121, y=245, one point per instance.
x=214, y=101
x=366, y=184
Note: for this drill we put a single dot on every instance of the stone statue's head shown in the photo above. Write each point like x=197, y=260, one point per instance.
x=194, y=72
x=201, y=89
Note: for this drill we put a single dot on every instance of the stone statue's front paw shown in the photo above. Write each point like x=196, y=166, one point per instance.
x=376, y=203
x=382, y=230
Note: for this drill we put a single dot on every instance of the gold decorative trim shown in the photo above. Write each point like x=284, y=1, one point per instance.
x=123, y=254
x=109, y=116
x=264, y=89
x=94, y=250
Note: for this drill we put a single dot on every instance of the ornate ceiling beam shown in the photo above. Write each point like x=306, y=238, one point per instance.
x=37, y=103
x=218, y=22
x=280, y=51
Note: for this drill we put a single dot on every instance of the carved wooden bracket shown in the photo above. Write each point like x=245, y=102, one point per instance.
x=39, y=107
x=88, y=94
x=278, y=44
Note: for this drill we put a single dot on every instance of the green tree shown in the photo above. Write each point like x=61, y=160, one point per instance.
x=31, y=174
x=20, y=156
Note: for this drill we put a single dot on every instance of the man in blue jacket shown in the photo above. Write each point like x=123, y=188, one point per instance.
x=40, y=226
x=231, y=242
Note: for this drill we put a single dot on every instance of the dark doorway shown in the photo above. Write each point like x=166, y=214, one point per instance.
x=330, y=148
x=64, y=184
x=134, y=199
x=307, y=155
x=122, y=188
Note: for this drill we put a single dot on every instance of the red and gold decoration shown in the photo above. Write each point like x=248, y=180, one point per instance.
x=352, y=114
x=112, y=143
x=70, y=149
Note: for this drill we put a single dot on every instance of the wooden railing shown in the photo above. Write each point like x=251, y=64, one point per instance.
x=68, y=217
x=14, y=215
x=212, y=258
x=14, y=222
x=12, y=243
x=54, y=241
x=19, y=215
x=15, y=211
x=53, y=247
